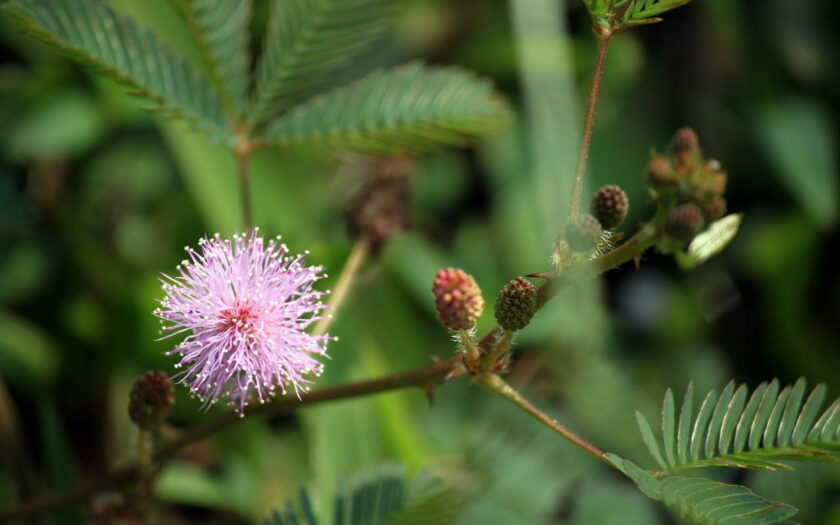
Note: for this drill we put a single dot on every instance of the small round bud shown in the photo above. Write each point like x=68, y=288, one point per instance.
x=685, y=141
x=714, y=209
x=660, y=173
x=716, y=183
x=610, y=206
x=458, y=299
x=684, y=222
x=150, y=400
x=516, y=304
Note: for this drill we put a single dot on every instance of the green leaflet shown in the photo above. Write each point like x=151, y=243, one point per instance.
x=220, y=28
x=748, y=431
x=91, y=32
x=407, y=109
x=306, y=40
x=704, y=501
x=381, y=497
x=648, y=11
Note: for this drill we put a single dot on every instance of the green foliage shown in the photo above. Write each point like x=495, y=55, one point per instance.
x=94, y=34
x=221, y=30
x=615, y=14
x=380, y=497
x=406, y=109
x=731, y=430
x=306, y=40
x=707, y=502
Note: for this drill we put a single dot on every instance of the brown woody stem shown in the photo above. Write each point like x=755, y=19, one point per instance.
x=589, y=123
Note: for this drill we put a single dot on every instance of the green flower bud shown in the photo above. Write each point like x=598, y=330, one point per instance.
x=516, y=304
x=685, y=141
x=610, y=206
x=660, y=173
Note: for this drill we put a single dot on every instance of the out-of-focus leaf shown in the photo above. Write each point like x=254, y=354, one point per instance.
x=798, y=138
x=65, y=124
x=27, y=357
x=234, y=490
x=596, y=502
x=22, y=270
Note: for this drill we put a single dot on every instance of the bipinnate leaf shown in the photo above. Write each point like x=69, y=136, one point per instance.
x=755, y=431
x=648, y=11
x=308, y=39
x=704, y=501
x=383, y=496
x=408, y=109
x=91, y=32
x=220, y=28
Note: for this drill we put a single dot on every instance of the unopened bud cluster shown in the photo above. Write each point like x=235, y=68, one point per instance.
x=516, y=304
x=150, y=400
x=689, y=185
x=458, y=299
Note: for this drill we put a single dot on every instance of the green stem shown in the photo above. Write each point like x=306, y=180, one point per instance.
x=242, y=158
x=345, y=281
x=496, y=384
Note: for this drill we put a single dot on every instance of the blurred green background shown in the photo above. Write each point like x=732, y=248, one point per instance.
x=98, y=196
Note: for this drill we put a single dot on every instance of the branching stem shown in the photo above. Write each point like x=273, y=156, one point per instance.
x=426, y=377
x=589, y=123
x=498, y=385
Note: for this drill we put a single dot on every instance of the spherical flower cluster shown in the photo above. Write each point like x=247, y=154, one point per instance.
x=150, y=400
x=245, y=305
x=516, y=304
x=458, y=299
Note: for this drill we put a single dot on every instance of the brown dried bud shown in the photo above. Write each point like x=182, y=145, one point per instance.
x=684, y=222
x=150, y=400
x=714, y=209
x=660, y=173
x=685, y=141
x=610, y=206
x=379, y=208
x=516, y=304
x=458, y=299
x=583, y=232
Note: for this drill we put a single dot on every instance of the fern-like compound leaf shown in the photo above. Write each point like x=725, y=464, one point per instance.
x=408, y=109
x=648, y=11
x=383, y=496
x=308, y=39
x=91, y=32
x=739, y=430
x=220, y=27
x=707, y=502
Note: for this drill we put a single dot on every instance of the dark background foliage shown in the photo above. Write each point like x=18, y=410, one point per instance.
x=97, y=197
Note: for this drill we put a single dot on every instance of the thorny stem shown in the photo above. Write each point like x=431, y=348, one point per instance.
x=469, y=346
x=498, y=385
x=426, y=377
x=589, y=123
x=345, y=281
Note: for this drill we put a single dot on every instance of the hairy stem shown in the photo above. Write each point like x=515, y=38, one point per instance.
x=426, y=377
x=242, y=157
x=589, y=123
x=345, y=281
x=496, y=384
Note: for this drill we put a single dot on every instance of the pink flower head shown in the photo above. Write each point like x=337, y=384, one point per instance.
x=245, y=305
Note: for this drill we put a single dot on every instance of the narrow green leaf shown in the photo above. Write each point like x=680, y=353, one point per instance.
x=730, y=419
x=742, y=431
x=808, y=415
x=791, y=412
x=308, y=39
x=649, y=439
x=700, y=424
x=717, y=418
x=763, y=414
x=683, y=434
x=831, y=431
x=408, y=109
x=94, y=34
x=220, y=27
x=648, y=485
x=822, y=422
x=668, y=430
x=772, y=429
x=643, y=9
